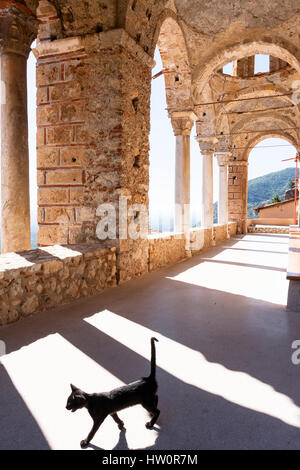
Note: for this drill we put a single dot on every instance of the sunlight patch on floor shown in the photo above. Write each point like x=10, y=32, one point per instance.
x=257, y=275
x=42, y=373
x=192, y=367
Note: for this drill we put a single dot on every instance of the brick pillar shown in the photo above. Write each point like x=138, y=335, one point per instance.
x=276, y=64
x=237, y=193
x=244, y=67
x=18, y=29
x=93, y=127
x=62, y=149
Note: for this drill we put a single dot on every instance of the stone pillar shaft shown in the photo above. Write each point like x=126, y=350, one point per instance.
x=17, y=31
x=15, y=226
x=223, y=160
x=182, y=123
x=207, y=213
x=182, y=183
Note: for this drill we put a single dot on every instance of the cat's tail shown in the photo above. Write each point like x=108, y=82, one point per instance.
x=153, y=358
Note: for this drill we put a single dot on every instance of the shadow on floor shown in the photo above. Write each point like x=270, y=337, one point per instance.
x=240, y=333
x=19, y=430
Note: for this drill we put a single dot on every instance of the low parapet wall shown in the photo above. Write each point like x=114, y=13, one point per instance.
x=165, y=249
x=270, y=221
x=40, y=279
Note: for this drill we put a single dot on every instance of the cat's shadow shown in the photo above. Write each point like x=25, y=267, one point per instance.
x=121, y=444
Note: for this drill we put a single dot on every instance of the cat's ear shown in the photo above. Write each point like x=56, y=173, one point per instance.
x=74, y=388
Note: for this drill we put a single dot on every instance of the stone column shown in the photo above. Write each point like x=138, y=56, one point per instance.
x=223, y=160
x=207, y=212
x=17, y=31
x=182, y=123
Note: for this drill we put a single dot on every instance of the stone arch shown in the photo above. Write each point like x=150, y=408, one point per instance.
x=203, y=71
x=50, y=26
x=285, y=120
x=169, y=38
x=279, y=126
x=277, y=135
x=257, y=92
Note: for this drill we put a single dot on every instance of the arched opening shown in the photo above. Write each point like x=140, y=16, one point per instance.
x=270, y=180
x=259, y=63
x=232, y=54
x=170, y=94
x=162, y=151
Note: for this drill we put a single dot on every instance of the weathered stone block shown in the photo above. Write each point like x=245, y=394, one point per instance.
x=68, y=177
x=59, y=214
x=47, y=157
x=30, y=305
x=73, y=111
x=65, y=91
x=47, y=74
x=60, y=135
x=42, y=96
x=40, y=136
x=51, y=235
x=47, y=114
x=73, y=156
x=52, y=196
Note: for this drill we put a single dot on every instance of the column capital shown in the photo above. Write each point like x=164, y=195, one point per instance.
x=182, y=122
x=238, y=163
x=18, y=28
x=207, y=144
x=223, y=158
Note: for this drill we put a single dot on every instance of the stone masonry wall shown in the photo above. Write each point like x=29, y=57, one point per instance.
x=164, y=250
x=220, y=233
x=232, y=228
x=62, y=150
x=265, y=229
x=237, y=194
x=40, y=279
x=93, y=126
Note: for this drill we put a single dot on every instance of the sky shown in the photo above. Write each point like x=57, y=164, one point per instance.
x=263, y=159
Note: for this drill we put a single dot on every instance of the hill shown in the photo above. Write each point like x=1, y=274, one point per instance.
x=261, y=190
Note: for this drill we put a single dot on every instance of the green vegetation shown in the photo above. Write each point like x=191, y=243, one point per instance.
x=292, y=184
x=264, y=189
x=275, y=199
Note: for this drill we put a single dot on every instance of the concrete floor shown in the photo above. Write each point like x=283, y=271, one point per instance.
x=226, y=379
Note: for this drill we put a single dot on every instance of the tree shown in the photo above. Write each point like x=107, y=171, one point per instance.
x=292, y=184
x=275, y=199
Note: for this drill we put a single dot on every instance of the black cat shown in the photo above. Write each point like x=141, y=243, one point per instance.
x=100, y=405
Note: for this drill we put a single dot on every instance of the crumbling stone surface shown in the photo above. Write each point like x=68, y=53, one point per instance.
x=44, y=278
x=41, y=279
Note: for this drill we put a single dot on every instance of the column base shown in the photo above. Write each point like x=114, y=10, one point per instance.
x=293, y=300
